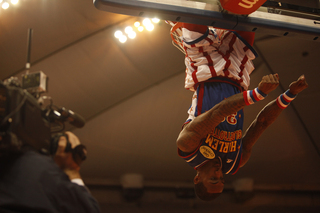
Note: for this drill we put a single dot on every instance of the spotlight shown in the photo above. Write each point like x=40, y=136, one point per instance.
x=150, y=27
x=136, y=24
x=155, y=20
x=132, y=34
x=128, y=29
x=5, y=5
x=140, y=28
x=118, y=34
x=14, y=1
x=123, y=38
x=146, y=22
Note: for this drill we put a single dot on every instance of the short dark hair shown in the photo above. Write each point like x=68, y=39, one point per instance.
x=203, y=194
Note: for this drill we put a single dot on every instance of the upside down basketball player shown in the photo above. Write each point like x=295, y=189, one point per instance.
x=218, y=67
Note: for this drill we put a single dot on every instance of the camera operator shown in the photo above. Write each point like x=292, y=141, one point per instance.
x=33, y=182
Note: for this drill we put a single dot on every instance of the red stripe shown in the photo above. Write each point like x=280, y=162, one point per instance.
x=227, y=64
x=210, y=64
x=193, y=66
x=213, y=71
x=209, y=40
x=255, y=95
x=245, y=98
x=286, y=99
x=244, y=60
x=226, y=35
x=226, y=57
x=221, y=53
x=241, y=69
x=233, y=40
x=225, y=70
x=281, y=107
x=200, y=99
x=194, y=76
x=226, y=73
x=194, y=73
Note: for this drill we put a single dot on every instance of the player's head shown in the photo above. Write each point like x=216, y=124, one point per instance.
x=209, y=182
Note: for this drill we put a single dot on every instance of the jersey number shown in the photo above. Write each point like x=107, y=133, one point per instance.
x=231, y=119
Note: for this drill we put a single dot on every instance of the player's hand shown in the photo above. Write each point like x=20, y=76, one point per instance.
x=298, y=85
x=65, y=159
x=269, y=83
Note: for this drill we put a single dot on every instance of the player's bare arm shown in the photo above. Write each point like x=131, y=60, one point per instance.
x=191, y=135
x=265, y=118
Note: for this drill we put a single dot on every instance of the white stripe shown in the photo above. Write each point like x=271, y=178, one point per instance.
x=201, y=163
x=258, y=94
x=203, y=70
x=249, y=98
x=287, y=97
x=234, y=160
x=191, y=159
x=281, y=103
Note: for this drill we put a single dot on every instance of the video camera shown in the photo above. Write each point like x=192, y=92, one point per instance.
x=25, y=121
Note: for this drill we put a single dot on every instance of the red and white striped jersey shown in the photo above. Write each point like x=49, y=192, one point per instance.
x=218, y=52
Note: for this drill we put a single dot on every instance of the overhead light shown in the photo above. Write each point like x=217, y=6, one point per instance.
x=136, y=24
x=118, y=34
x=155, y=20
x=140, y=28
x=123, y=38
x=146, y=22
x=14, y=1
x=128, y=29
x=5, y=5
x=150, y=27
x=131, y=31
x=132, y=34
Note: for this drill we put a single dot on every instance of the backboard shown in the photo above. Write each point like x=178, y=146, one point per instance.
x=301, y=19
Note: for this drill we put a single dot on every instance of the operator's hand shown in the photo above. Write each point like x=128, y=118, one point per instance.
x=298, y=85
x=269, y=83
x=65, y=159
